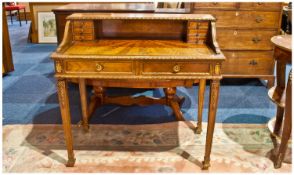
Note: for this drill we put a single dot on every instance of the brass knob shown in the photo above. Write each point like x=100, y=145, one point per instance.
x=214, y=3
x=176, y=68
x=81, y=30
x=258, y=19
x=256, y=39
x=99, y=67
x=253, y=62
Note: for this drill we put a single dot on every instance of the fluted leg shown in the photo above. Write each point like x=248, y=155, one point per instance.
x=213, y=101
x=66, y=120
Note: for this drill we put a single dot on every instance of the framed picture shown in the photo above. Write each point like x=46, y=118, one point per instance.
x=46, y=27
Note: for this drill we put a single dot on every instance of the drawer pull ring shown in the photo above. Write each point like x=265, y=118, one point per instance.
x=176, y=68
x=258, y=19
x=99, y=67
x=256, y=39
x=253, y=62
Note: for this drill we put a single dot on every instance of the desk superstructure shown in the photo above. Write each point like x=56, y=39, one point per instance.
x=138, y=51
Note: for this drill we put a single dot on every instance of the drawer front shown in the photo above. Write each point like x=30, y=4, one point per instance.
x=262, y=6
x=245, y=39
x=266, y=6
x=83, y=23
x=83, y=37
x=245, y=19
x=101, y=67
x=198, y=25
x=176, y=68
x=215, y=5
x=248, y=63
x=81, y=30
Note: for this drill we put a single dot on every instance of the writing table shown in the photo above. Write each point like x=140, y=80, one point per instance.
x=138, y=51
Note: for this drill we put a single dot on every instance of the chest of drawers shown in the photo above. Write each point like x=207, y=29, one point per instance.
x=243, y=32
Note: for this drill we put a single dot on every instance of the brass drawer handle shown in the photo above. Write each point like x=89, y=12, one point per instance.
x=253, y=62
x=214, y=3
x=176, y=68
x=99, y=67
x=258, y=19
x=256, y=39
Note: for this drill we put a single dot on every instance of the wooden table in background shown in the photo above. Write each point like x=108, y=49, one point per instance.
x=282, y=96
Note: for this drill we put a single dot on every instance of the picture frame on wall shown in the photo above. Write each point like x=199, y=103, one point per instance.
x=47, y=27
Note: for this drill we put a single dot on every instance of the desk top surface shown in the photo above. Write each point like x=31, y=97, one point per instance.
x=147, y=16
x=144, y=49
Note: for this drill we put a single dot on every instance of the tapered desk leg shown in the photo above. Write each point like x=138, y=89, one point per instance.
x=66, y=121
x=287, y=126
x=201, y=92
x=84, y=105
x=213, y=101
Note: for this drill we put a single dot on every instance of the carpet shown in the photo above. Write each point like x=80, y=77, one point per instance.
x=165, y=147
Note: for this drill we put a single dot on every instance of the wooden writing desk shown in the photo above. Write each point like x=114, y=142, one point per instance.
x=138, y=51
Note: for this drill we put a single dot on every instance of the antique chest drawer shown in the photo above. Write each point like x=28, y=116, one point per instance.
x=230, y=39
x=263, y=6
x=167, y=68
x=101, y=67
x=248, y=62
x=245, y=19
x=215, y=5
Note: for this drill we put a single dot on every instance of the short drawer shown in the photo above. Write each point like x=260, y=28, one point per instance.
x=229, y=39
x=84, y=37
x=101, y=67
x=179, y=68
x=248, y=63
x=82, y=30
x=245, y=19
x=198, y=25
x=265, y=6
x=215, y=5
x=84, y=24
x=195, y=31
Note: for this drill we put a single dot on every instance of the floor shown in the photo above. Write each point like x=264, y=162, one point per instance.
x=153, y=148
x=29, y=94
